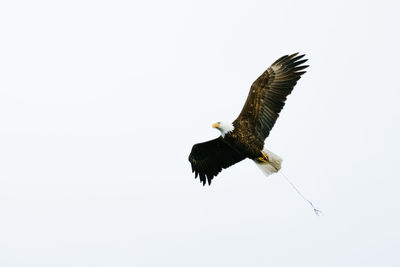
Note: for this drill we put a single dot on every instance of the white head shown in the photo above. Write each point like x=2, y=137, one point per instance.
x=223, y=127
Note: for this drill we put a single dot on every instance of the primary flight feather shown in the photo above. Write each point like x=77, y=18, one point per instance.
x=244, y=138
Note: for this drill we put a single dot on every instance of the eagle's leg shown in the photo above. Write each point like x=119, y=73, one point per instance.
x=265, y=155
x=264, y=158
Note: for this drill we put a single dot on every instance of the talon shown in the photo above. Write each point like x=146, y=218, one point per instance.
x=262, y=159
x=265, y=155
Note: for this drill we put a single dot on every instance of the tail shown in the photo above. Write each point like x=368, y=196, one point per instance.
x=272, y=165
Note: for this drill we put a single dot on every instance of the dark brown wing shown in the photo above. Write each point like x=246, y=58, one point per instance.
x=209, y=158
x=268, y=94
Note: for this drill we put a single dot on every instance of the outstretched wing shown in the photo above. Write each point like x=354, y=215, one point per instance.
x=209, y=158
x=268, y=94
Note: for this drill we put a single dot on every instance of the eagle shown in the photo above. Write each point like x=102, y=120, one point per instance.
x=244, y=137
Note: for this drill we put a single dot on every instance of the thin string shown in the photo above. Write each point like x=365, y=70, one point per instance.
x=316, y=211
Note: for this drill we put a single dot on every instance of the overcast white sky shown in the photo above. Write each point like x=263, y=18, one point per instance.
x=101, y=101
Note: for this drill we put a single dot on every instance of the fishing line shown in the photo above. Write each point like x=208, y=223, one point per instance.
x=316, y=211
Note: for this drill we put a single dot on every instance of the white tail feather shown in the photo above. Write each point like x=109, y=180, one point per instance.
x=273, y=164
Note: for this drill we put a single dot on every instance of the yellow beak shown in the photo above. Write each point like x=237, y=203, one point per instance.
x=215, y=125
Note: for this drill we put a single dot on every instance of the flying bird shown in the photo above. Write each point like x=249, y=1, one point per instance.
x=244, y=138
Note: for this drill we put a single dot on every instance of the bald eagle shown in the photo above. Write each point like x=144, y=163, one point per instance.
x=244, y=138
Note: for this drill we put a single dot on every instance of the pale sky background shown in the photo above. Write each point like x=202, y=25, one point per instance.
x=101, y=101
